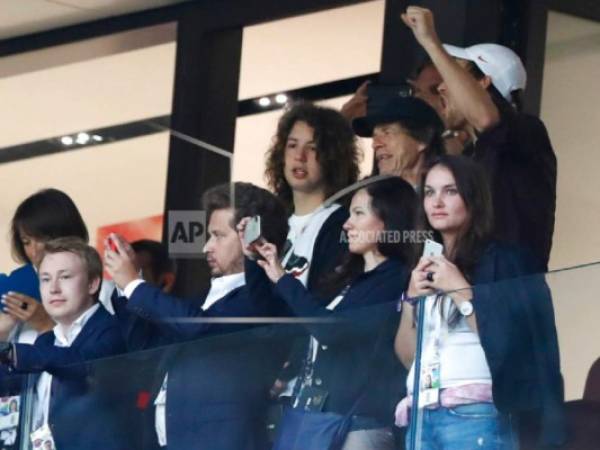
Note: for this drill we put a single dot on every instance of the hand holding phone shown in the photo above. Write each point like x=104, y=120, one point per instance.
x=252, y=232
x=422, y=276
x=432, y=248
x=112, y=244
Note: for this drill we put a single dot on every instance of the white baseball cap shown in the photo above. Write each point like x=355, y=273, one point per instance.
x=500, y=63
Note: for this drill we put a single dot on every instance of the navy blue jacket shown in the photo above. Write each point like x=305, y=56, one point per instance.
x=218, y=385
x=515, y=320
x=346, y=361
x=328, y=248
x=83, y=404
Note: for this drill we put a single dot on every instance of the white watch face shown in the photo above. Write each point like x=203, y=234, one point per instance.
x=466, y=308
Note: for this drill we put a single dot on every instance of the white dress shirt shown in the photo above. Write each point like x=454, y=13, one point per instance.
x=63, y=337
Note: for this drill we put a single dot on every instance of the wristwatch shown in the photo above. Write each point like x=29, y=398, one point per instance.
x=466, y=308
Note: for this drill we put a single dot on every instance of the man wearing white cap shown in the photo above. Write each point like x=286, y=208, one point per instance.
x=475, y=97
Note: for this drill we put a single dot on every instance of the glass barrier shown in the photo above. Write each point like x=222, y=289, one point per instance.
x=215, y=382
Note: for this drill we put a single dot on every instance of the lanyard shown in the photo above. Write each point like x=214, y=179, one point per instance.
x=308, y=367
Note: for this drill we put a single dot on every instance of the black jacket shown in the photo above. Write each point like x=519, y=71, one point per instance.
x=367, y=319
x=521, y=165
x=515, y=320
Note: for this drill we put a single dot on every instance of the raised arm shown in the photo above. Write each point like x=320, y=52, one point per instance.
x=465, y=92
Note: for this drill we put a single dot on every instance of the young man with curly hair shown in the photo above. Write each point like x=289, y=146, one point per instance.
x=313, y=156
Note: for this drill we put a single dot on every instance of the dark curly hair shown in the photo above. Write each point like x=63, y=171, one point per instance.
x=337, y=151
x=47, y=214
x=250, y=200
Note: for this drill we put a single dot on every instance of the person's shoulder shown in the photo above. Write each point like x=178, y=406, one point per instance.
x=514, y=120
x=101, y=321
x=337, y=217
x=509, y=257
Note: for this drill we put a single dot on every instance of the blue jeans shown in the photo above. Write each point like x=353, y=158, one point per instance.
x=478, y=426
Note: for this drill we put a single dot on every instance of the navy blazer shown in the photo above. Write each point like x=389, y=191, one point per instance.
x=218, y=385
x=367, y=323
x=515, y=321
x=328, y=248
x=83, y=404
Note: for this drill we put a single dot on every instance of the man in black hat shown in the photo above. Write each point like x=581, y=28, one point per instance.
x=406, y=133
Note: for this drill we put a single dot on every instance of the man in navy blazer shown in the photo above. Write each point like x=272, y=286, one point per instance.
x=68, y=397
x=214, y=390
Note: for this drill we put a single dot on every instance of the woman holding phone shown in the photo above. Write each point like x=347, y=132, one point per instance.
x=45, y=215
x=490, y=346
x=362, y=293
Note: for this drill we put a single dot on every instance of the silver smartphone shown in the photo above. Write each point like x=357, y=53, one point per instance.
x=253, y=231
x=432, y=248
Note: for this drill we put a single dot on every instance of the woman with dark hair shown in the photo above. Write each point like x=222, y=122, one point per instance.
x=41, y=217
x=362, y=292
x=490, y=350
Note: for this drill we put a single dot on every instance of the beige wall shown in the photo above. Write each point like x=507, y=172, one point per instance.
x=111, y=89
x=98, y=179
x=570, y=110
x=577, y=309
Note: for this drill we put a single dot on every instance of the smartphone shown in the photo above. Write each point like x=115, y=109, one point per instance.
x=112, y=245
x=380, y=94
x=432, y=248
x=253, y=230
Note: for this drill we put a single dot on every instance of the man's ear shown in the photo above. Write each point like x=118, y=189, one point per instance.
x=94, y=286
x=421, y=147
x=166, y=282
x=485, y=82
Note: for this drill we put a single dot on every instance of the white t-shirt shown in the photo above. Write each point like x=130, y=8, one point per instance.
x=302, y=236
x=461, y=356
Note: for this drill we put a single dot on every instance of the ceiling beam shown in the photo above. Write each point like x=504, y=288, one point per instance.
x=216, y=15
x=586, y=9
